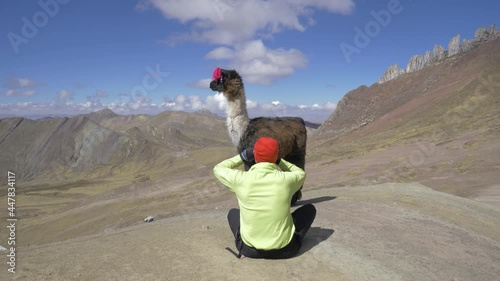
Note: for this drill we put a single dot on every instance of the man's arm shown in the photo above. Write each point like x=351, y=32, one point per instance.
x=297, y=174
x=288, y=167
x=226, y=173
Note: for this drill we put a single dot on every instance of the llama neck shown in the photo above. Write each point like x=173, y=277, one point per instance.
x=237, y=118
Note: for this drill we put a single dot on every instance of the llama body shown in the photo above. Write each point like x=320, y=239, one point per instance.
x=290, y=132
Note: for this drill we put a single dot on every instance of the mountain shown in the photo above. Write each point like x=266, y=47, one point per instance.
x=103, y=143
x=61, y=146
x=101, y=115
x=438, y=126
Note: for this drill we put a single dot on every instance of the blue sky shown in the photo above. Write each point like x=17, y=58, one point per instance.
x=70, y=57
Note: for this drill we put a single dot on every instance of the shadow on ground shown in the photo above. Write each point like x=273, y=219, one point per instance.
x=315, y=200
x=314, y=236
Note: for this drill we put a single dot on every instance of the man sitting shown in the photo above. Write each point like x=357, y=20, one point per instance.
x=263, y=227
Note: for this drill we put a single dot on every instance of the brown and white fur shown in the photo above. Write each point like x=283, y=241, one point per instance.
x=290, y=132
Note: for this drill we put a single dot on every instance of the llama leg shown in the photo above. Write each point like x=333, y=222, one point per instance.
x=299, y=161
x=297, y=196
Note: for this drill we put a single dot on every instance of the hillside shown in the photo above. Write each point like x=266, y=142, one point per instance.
x=438, y=126
x=102, y=144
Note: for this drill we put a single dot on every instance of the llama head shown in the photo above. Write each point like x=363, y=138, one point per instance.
x=228, y=82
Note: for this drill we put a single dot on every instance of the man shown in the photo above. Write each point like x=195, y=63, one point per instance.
x=265, y=228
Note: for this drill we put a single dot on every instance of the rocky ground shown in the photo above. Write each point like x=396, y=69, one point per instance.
x=382, y=232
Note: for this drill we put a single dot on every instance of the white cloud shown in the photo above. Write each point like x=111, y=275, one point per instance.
x=179, y=100
x=330, y=106
x=220, y=53
x=140, y=101
x=238, y=27
x=196, y=103
x=228, y=22
x=64, y=95
x=14, y=93
x=215, y=103
x=259, y=64
x=202, y=83
x=18, y=83
x=313, y=113
x=23, y=104
x=252, y=104
x=14, y=85
x=274, y=106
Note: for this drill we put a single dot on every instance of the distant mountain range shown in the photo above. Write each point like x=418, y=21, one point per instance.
x=103, y=143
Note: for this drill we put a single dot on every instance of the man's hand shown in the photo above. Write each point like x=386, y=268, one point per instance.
x=247, y=155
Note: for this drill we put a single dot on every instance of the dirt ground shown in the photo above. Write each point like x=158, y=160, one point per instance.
x=381, y=232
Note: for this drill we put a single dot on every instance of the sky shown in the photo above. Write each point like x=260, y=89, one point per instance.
x=296, y=57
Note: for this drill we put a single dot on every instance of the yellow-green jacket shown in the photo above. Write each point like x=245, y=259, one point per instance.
x=264, y=193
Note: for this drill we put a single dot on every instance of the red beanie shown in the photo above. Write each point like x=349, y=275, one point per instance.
x=266, y=150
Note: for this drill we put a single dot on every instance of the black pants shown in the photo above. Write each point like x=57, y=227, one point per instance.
x=303, y=218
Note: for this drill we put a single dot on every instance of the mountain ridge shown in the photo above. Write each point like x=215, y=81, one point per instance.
x=418, y=62
x=438, y=126
x=98, y=143
x=364, y=105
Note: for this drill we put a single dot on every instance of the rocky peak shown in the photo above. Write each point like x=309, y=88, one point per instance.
x=439, y=52
x=418, y=62
x=484, y=34
x=454, y=46
x=101, y=115
x=392, y=72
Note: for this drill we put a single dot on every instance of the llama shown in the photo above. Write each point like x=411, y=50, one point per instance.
x=290, y=132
